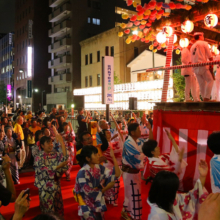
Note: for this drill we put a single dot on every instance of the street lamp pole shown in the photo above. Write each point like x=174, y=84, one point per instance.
x=42, y=99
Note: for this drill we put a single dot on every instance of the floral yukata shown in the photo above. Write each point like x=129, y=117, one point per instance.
x=69, y=141
x=185, y=206
x=133, y=157
x=169, y=162
x=117, y=148
x=88, y=185
x=47, y=180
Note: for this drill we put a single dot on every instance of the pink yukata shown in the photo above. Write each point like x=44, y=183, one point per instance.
x=185, y=206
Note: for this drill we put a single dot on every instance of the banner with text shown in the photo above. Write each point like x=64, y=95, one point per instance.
x=108, y=80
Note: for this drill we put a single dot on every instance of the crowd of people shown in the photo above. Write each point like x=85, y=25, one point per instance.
x=122, y=150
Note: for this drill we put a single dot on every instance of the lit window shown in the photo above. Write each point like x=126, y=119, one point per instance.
x=89, y=20
x=94, y=20
x=98, y=22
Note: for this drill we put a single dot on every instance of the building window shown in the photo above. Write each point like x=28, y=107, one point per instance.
x=90, y=58
x=96, y=21
x=90, y=81
x=96, y=5
x=106, y=51
x=89, y=3
x=112, y=51
x=135, y=52
x=86, y=59
x=98, y=56
x=89, y=20
x=98, y=79
x=86, y=81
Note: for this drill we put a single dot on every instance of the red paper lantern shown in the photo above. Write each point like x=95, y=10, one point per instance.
x=146, y=17
x=136, y=23
x=172, y=5
x=129, y=2
x=142, y=39
x=139, y=8
x=142, y=27
x=133, y=18
x=141, y=12
x=127, y=31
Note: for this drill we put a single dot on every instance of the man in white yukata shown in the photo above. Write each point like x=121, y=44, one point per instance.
x=200, y=53
x=217, y=78
x=191, y=82
x=132, y=163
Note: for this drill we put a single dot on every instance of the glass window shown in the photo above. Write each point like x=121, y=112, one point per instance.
x=94, y=20
x=98, y=21
x=90, y=58
x=112, y=51
x=89, y=20
x=90, y=81
x=86, y=81
x=98, y=79
x=86, y=59
x=98, y=56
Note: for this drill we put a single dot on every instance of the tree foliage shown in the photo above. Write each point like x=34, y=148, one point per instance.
x=2, y=92
x=116, y=79
x=178, y=84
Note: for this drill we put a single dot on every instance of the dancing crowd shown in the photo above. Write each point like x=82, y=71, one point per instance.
x=127, y=152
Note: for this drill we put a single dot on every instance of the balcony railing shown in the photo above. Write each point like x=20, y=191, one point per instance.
x=60, y=13
x=60, y=29
x=59, y=62
x=59, y=45
x=55, y=3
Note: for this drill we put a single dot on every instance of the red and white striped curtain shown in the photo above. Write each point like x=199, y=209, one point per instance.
x=190, y=130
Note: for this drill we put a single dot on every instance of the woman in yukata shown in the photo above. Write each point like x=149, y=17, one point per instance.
x=93, y=181
x=157, y=162
x=117, y=148
x=167, y=204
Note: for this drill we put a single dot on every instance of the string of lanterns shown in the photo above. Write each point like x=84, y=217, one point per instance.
x=139, y=26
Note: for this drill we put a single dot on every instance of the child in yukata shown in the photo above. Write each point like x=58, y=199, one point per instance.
x=167, y=204
x=213, y=143
x=172, y=161
x=92, y=182
x=69, y=140
x=49, y=167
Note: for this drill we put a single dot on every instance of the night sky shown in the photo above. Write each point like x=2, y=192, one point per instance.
x=7, y=15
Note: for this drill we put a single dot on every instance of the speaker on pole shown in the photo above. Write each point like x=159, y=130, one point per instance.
x=132, y=103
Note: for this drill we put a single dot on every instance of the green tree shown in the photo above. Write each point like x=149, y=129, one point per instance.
x=116, y=79
x=178, y=84
x=2, y=92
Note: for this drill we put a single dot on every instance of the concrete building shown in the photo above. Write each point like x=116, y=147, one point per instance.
x=6, y=62
x=72, y=22
x=31, y=54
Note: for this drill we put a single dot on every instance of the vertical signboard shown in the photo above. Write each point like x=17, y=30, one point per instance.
x=29, y=61
x=10, y=38
x=30, y=31
x=108, y=80
x=29, y=88
x=9, y=92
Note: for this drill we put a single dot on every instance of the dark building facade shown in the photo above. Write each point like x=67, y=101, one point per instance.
x=72, y=22
x=31, y=54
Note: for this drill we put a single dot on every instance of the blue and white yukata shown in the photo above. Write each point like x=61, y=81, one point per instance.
x=89, y=184
x=215, y=173
x=47, y=180
x=132, y=156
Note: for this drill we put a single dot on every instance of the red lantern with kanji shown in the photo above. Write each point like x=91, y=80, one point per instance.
x=211, y=20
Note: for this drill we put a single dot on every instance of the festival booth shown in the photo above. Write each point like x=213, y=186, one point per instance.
x=170, y=27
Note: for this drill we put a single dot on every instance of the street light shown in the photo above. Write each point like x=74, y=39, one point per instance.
x=21, y=71
x=72, y=106
x=19, y=96
x=36, y=90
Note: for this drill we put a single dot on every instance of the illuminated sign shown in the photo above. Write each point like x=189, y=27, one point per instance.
x=30, y=24
x=9, y=92
x=108, y=80
x=29, y=61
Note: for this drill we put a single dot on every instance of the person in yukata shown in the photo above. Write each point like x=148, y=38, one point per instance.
x=213, y=143
x=69, y=140
x=93, y=183
x=117, y=148
x=172, y=161
x=49, y=167
x=35, y=150
x=167, y=204
x=132, y=163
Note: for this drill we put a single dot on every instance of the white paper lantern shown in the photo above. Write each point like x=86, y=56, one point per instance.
x=161, y=37
x=187, y=26
x=184, y=42
x=211, y=20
